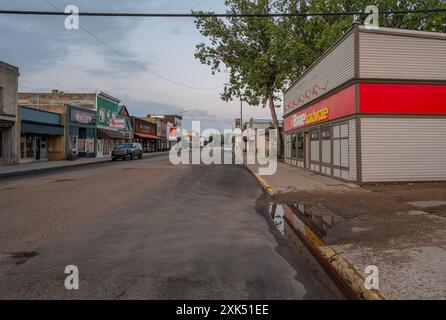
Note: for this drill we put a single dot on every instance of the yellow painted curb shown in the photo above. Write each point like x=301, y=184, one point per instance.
x=348, y=272
x=265, y=185
x=352, y=276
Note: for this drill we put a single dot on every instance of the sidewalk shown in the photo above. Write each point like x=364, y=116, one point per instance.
x=401, y=228
x=39, y=167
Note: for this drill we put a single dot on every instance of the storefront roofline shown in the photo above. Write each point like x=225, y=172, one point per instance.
x=358, y=26
x=361, y=81
x=316, y=62
x=108, y=97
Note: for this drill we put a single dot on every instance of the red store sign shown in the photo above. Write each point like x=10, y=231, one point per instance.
x=402, y=98
x=336, y=106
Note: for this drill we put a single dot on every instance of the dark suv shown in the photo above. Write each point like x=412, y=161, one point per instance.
x=128, y=150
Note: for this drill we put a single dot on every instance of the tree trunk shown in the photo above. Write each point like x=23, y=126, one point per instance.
x=275, y=122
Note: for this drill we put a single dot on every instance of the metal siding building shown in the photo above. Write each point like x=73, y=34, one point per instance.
x=402, y=55
x=416, y=150
x=334, y=68
x=382, y=119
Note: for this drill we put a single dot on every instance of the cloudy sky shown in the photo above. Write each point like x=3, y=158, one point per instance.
x=51, y=57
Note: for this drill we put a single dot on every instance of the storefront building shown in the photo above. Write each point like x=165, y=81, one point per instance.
x=144, y=132
x=372, y=108
x=109, y=124
x=81, y=127
x=127, y=129
x=42, y=135
x=162, y=124
x=9, y=118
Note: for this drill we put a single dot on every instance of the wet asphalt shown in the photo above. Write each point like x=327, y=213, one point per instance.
x=202, y=233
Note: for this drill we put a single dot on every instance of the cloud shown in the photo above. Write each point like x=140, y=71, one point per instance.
x=34, y=42
x=142, y=108
x=50, y=57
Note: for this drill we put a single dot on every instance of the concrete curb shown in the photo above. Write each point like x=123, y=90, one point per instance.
x=350, y=275
x=68, y=166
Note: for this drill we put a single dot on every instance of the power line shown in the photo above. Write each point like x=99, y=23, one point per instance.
x=210, y=14
x=139, y=65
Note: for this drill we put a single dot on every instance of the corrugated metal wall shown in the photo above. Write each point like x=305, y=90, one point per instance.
x=352, y=150
x=384, y=56
x=403, y=149
x=337, y=67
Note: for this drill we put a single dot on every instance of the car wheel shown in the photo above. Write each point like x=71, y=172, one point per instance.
x=132, y=156
x=114, y=159
x=140, y=155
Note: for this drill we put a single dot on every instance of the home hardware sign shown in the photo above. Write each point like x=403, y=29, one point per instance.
x=299, y=120
x=316, y=116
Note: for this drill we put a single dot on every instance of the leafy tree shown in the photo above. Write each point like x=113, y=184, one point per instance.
x=256, y=53
x=263, y=55
x=318, y=33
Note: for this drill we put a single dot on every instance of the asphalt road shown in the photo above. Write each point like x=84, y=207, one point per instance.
x=146, y=230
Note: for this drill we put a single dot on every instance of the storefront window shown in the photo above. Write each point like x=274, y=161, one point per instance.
x=294, y=146
x=73, y=144
x=326, y=145
x=102, y=115
x=22, y=146
x=326, y=133
x=314, y=136
x=300, y=146
x=29, y=147
x=340, y=145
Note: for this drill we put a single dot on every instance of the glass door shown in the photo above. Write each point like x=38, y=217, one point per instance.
x=37, y=148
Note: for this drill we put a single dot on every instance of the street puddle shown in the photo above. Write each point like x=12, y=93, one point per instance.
x=298, y=219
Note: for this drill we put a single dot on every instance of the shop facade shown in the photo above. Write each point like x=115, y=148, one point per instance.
x=110, y=125
x=42, y=135
x=144, y=132
x=126, y=128
x=9, y=115
x=81, y=128
x=372, y=108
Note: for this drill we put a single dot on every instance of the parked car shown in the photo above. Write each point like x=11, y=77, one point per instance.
x=128, y=150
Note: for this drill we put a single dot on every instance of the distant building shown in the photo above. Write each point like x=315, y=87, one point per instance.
x=253, y=125
x=144, y=132
x=9, y=115
x=92, y=120
x=110, y=124
x=128, y=129
x=42, y=135
x=260, y=124
x=171, y=123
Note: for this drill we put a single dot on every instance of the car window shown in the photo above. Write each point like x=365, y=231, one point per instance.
x=124, y=146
